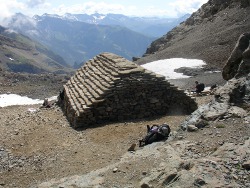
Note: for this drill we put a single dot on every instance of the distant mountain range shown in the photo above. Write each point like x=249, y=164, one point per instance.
x=149, y=26
x=18, y=53
x=80, y=37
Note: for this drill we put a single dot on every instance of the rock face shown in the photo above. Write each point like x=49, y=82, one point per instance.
x=239, y=61
x=234, y=94
x=214, y=27
x=110, y=88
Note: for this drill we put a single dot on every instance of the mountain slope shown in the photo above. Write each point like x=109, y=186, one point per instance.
x=78, y=41
x=209, y=34
x=20, y=54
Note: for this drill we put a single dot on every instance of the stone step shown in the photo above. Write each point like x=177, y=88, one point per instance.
x=112, y=71
x=82, y=95
x=96, y=84
x=105, y=80
x=108, y=62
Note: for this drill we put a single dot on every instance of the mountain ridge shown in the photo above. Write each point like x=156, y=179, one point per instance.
x=20, y=54
x=144, y=25
x=208, y=34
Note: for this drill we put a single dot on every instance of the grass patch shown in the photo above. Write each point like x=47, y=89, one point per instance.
x=220, y=126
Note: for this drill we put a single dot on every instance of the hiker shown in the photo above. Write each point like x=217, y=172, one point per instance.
x=61, y=96
x=199, y=87
x=154, y=134
x=46, y=103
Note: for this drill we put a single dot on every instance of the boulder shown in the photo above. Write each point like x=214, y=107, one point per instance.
x=236, y=111
x=230, y=99
x=238, y=62
x=234, y=92
x=246, y=165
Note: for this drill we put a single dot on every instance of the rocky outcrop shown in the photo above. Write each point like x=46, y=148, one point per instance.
x=224, y=105
x=234, y=94
x=239, y=61
x=110, y=88
x=167, y=166
x=212, y=7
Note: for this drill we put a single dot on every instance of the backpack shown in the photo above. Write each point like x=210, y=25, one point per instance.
x=155, y=133
x=164, y=130
x=201, y=86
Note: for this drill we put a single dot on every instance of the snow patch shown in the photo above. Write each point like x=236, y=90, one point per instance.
x=166, y=67
x=14, y=99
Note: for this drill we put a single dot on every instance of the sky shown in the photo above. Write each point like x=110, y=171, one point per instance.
x=164, y=67
x=161, y=8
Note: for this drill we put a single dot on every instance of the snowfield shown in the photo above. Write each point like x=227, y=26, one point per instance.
x=166, y=67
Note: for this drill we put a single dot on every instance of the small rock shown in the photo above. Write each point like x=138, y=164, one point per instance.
x=246, y=165
x=180, y=137
x=132, y=147
x=192, y=128
x=144, y=173
x=115, y=170
x=2, y=183
x=199, y=182
x=145, y=185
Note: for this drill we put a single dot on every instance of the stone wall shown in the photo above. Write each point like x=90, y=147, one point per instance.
x=109, y=88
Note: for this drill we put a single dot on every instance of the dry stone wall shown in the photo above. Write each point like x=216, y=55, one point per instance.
x=109, y=88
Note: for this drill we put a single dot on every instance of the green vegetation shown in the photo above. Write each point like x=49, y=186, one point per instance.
x=220, y=126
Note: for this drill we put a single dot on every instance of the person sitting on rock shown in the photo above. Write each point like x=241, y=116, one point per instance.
x=199, y=87
x=46, y=103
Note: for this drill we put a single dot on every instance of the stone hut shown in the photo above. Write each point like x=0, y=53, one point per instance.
x=109, y=88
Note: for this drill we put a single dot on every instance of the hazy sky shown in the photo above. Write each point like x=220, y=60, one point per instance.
x=166, y=8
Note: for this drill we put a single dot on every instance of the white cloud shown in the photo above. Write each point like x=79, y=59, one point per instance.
x=37, y=4
x=155, y=11
x=8, y=8
x=174, y=9
x=104, y=8
x=31, y=7
x=90, y=8
x=187, y=6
